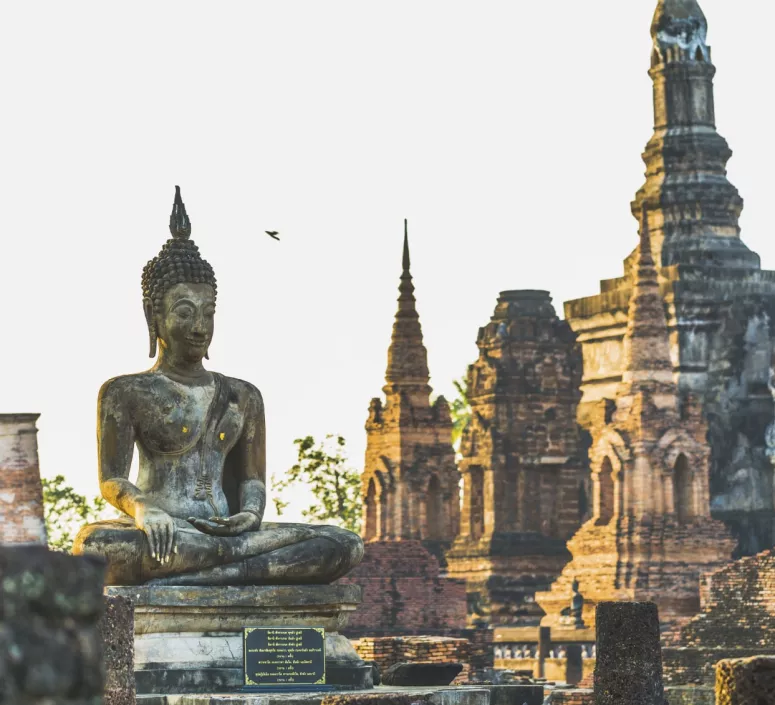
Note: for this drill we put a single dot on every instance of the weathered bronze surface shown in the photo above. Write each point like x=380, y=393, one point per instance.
x=195, y=516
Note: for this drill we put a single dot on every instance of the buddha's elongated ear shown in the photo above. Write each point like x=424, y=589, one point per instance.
x=152, y=332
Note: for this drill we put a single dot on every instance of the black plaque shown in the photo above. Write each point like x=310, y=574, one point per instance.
x=284, y=656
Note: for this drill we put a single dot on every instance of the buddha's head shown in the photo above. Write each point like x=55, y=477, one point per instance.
x=179, y=291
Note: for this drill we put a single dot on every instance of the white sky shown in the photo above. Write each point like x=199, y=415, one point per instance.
x=509, y=133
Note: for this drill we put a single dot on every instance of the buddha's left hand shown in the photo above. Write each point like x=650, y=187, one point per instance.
x=232, y=526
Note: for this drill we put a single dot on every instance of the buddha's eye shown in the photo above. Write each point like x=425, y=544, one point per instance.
x=183, y=312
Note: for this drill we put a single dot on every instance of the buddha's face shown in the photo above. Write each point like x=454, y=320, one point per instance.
x=186, y=322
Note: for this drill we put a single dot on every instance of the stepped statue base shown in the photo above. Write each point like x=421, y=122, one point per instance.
x=189, y=639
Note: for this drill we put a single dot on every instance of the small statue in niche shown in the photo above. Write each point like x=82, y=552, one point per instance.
x=573, y=616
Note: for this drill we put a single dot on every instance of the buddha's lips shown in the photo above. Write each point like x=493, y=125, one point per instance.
x=200, y=343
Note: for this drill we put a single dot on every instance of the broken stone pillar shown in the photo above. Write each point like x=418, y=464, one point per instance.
x=574, y=666
x=628, y=670
x=117, y=634
x=21, y=496
x=745, y=681
x=544, y=645
x=50, y=651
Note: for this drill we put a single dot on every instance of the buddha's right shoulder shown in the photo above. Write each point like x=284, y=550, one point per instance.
x=125, y=385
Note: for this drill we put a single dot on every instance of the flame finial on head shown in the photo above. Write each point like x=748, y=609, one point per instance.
x=180, y=225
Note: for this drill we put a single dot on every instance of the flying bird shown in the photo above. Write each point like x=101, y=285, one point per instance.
x=272, y=233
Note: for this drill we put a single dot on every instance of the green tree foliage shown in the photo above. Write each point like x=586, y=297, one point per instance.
x=66, y=511
x=460, y=409
x=324, y=468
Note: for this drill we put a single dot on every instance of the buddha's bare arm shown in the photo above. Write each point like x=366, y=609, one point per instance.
x=247, y=463
x=115, y=444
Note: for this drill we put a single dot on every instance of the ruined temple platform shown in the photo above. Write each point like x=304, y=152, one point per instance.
x=188, y=640
x=377, y=696
x=381, y=695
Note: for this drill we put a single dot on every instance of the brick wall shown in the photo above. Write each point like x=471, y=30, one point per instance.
x=21, y=497
x=403, y=593
x=387, y=651
x=736, y=621
x=737, y=606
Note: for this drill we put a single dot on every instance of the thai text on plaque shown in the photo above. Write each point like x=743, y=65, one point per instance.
x=284, y=656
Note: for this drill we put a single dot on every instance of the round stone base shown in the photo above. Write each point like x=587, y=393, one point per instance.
x=189, y=639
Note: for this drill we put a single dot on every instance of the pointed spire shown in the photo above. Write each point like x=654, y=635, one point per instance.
x=406, y=262
x=180, y=225
x=646, y=341
x=407, y=356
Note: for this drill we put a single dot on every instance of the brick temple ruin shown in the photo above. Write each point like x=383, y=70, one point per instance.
x=21, y=494
x=410, y=481
x=411, y=504
x=719, y=303
x=640, y=418
x=523, y=459
x=651, y=535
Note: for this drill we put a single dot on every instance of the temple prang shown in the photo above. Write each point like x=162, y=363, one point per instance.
x=410, y=480
x=719, y=303
x=651, y=535
x=523, y=460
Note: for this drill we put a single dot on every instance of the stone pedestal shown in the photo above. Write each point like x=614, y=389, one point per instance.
x=189, y=639
x=745, y=681
x=629, y=660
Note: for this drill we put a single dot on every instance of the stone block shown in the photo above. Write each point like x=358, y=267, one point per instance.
x=690, y=695
x=628, y=670
x=117, y=631
x=574, y=667
x=421, y=674
x=516, y=694
x=49, y=643
x=580, y=696
x=749, y=681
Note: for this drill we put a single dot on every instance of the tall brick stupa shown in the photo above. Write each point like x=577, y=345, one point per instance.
x=651, y=535
x=525, y=489
x=410, y=491
x=719, y=303
x=410, y=480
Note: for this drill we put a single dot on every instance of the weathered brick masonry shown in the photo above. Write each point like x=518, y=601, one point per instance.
x=387, y=651
x=737, y=621
x=719, y=303
x=403, y=592
x=651, y=535
x=21, y=497
x=410, y=481
x=524, y=467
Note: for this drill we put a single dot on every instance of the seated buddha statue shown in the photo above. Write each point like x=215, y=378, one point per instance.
x=195, y=514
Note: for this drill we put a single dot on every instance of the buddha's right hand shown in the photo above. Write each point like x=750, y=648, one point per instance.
x=159, y=529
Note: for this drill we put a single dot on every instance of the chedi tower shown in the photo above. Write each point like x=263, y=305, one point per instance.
x=719, y=303
x=651, y=534
x=410, y=494
x=410, y=481
x=523, y=463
